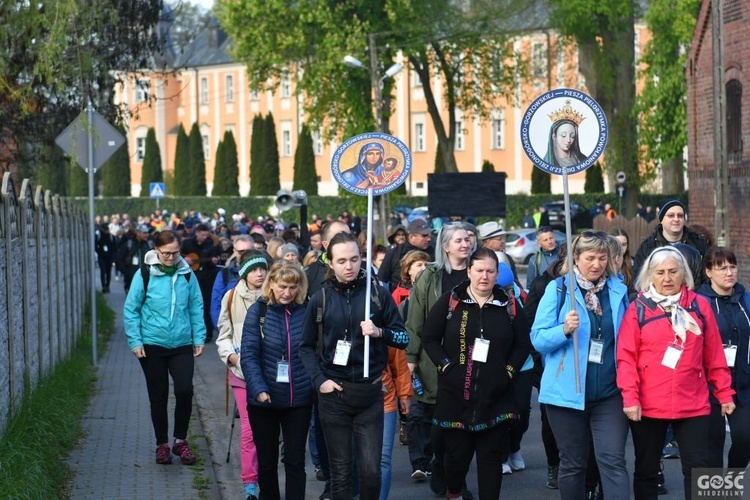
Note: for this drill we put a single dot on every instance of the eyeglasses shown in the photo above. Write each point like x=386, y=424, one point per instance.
x=679, y=215
x=169, y=254
x=726, y=269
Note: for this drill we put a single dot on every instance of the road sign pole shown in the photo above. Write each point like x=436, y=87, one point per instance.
x=92, y=238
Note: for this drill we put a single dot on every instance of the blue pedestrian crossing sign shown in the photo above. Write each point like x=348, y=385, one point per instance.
x=157, y=190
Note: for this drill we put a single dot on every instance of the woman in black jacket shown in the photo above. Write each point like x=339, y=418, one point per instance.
x=730, y=303
x=279, y=392
x=478, y=343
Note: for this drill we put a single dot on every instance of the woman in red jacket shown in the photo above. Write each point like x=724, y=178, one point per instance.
x=669, y=351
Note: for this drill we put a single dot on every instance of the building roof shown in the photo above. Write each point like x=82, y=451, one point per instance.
x=210, y=48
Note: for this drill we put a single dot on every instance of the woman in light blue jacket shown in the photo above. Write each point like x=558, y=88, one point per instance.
x=163, y=318
x=595, y=414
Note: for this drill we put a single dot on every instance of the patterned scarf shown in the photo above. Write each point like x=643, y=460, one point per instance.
x=682, y=321
x=592, y=301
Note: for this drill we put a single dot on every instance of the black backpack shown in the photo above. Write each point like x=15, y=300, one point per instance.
x=320, y=309
x=146, y=275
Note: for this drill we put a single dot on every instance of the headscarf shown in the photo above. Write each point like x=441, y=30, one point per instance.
x=592, y=301
x=682, y=321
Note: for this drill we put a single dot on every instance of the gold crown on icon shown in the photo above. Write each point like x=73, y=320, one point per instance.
x=567, y=113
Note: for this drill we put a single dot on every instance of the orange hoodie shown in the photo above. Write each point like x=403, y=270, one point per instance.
x=396, y=380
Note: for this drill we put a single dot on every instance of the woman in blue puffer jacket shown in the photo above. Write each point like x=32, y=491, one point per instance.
x=279, y=391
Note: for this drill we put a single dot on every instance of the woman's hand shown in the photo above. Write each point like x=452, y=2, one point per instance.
x=727, y=408
x=197, y=351
x=571, y=322
x=633, y=413
x=232, y=359
x=369, y=328
x=139, y=352
x=263, y=397
x=329, y=386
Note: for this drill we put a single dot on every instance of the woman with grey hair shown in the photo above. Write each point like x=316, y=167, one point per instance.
x=593, y=414
x=669, y=352
x=452, y=252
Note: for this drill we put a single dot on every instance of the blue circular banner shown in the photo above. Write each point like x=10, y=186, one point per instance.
x=372, y=161
x=564, y=128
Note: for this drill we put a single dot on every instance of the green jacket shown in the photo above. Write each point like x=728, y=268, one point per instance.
x=426, y=291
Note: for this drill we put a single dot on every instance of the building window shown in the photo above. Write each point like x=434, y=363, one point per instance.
x=416, y=81
x=204, y=90
x=734, y=121
x=286, y=138
x=317, y=139
x=498, y=129
x=254, y=95
x=539, y=60
x=142, y=87
x=206, y=149
x=285, y=85
x=419, y=142
x=459, y=134
x=229, y=88
x=140, y=143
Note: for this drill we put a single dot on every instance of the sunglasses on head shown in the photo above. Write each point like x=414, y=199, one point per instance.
x=594, y=234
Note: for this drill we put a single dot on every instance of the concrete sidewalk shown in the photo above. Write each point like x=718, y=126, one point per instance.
x=116, y=457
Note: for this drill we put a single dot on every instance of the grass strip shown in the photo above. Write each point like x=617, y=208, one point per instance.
x=48, y=426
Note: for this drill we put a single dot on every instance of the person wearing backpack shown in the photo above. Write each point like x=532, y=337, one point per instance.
x=350, y=405
x=730, y=302
x=227, y=277
x=252, y=271
x=669, y=356
x=163, y=318
x=479, y=344
x=594, y=413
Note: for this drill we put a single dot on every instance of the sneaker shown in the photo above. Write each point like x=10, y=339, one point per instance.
x=552, y=471
x=326, y=495
x=402, y=436
x=418, y=473
x=507, y=469
x=182, y=450
x=251, y=491
x=516, y=461
x=661, y=489
x=319, y=474
x=671, y=450
x=162, y=454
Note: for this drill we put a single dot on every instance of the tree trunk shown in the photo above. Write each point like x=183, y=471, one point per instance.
x=672, y=178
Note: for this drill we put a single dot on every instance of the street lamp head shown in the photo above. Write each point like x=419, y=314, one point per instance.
x=393, y=70
x=353, y=62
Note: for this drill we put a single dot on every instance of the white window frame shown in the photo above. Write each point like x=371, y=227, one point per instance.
x=140, y=143
x=229, y=88
x=416, y=81
x=285, y=86
x=539, y=59
x=254, y=95
x=420, y=142
x=497, y=129
x=459, y=143
x=206, y=141
x=286, y=138
x=317, y=140
x=204, y=90
x=142, y=89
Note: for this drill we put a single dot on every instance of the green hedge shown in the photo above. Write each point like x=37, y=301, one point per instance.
x=334, y=205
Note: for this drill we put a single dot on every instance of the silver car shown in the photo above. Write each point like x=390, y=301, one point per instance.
x=521, y=244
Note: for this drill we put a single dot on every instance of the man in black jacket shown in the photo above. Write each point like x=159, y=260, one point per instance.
x=316, y=272
x=670, y=231
x=106, y=250
x=418, y=238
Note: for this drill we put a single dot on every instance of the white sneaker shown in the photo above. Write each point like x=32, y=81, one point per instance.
x=516, y=461
x=507, y=469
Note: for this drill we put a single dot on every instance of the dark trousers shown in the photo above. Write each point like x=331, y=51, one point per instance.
x=716, y=437
x=341, y=422
x=206, y=278
x=739, y=429
x=293, y=424
x=691, y=434
x=159, y=364
x=522, y=385
x=491, y=448
x=548, y=439
x=105, y=272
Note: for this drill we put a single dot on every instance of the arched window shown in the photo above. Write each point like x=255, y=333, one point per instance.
x=734, y=121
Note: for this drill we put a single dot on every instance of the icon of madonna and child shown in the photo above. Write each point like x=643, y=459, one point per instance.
x=563, y=148
x=373, y=169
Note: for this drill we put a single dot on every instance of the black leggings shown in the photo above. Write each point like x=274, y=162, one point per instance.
x=491, y=448
x=158, y=365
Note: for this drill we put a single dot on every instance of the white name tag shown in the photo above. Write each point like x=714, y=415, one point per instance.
x=481, y=350
x=282, y=372
x=105, y=248
x=672, y=356
x=135, y=261
x=596, y=351
x=341, y=356
x=730, y=351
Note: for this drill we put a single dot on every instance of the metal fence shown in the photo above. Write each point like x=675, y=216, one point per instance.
x=44, y=284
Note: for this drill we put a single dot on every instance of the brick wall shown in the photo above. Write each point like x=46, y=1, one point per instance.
x=700, y=126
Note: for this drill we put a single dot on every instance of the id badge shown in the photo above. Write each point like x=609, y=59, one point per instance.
x=341, y=356
x=596, y=351
x=672, y=356
x=730, y=351
x=481, y=350
x=136, y=261
x=282, y=372
x=105, y=248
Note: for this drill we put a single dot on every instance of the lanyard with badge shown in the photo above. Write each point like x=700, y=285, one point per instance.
x=481, y=345
x=673, y=353
x=343, y=348
x=282, y=371
x=596, y=346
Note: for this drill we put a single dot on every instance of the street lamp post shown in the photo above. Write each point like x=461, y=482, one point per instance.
x=377, y=88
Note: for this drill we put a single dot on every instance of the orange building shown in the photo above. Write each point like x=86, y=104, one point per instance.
x=210, y=88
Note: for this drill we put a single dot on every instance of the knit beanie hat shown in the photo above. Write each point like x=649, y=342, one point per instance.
x=252, y=262
x=289, y=247
x=670, y=204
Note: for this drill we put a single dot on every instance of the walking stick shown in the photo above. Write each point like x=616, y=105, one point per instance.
x=226, y=394
x=231, y=431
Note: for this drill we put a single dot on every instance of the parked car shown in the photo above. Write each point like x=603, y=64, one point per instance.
x=580, y=216
x=521, y=244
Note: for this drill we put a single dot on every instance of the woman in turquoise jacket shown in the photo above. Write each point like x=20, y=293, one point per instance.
x=595, y=414
x=163, y=319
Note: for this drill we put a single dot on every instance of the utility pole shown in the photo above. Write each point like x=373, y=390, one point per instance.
x=721, y=174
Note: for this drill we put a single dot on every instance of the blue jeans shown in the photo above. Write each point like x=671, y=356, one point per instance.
x=312, y=445
x=603, y=422
x=340, y=422
x=390, y=420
